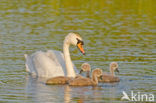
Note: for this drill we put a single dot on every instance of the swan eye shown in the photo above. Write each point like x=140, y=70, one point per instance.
x=80, y=41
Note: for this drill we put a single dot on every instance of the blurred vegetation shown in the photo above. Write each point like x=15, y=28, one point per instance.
x=92, y=6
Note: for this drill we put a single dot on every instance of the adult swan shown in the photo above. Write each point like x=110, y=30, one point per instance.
x=53, y=63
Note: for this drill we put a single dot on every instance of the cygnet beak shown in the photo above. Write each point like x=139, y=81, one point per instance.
x=81, y=71
x=101, y=77
x=117, y=70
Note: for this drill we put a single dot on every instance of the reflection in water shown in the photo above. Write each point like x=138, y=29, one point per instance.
x=35, y=87
x=38, y=91
x=112, y=93
x=67, y=95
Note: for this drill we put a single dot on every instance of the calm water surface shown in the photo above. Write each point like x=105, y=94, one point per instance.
x=113, y=30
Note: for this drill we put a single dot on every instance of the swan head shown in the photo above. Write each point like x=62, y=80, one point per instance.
x=76, y=40
x=114, y=66
x=85, y=67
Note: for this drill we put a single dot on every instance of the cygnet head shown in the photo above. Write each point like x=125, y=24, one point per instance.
x=114, y=66
x=98, y=72
x=85, y=67
x=76, y=40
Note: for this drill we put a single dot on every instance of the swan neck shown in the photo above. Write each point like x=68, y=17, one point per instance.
x=68, y=62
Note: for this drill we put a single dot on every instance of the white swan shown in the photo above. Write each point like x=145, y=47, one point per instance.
x=53, y=63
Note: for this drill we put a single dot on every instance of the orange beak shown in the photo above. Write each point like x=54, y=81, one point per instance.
x=79, y=45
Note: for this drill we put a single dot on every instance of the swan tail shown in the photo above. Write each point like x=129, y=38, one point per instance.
x=26, y=66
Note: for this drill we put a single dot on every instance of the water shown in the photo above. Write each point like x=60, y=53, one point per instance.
x=113, y=30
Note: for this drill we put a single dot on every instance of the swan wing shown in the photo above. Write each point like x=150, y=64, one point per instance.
x=60, y=59
x=46, y=64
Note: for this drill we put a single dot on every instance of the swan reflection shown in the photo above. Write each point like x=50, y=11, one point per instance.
x=38, y=91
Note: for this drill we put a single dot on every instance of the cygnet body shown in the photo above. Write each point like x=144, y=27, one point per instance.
x=110, y=77
x=87, y=81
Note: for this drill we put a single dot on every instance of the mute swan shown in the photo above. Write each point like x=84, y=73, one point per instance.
x=87, y=81
x=61, y=80
x=110, y=77
x=53, y=63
